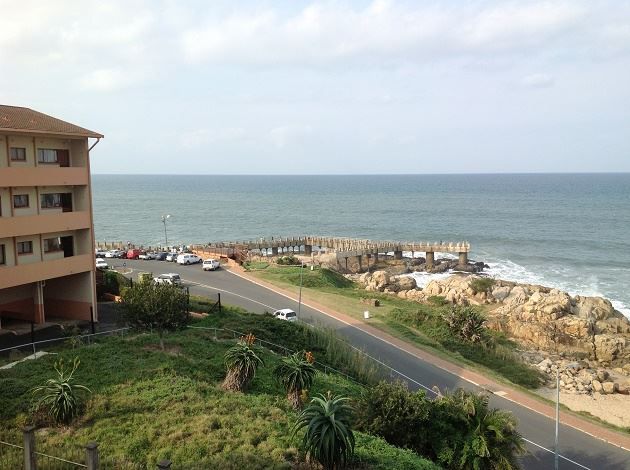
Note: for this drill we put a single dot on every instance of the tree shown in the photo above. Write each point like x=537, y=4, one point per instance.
x=241, y=361
x=296, y=373
x=467, y=323
x=329, y=438
x=59, y=396
x=151, y=306
x=479, y=437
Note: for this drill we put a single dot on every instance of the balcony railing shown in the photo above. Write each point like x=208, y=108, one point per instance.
x=43, y=176
x=44, y=223
x=11, y=276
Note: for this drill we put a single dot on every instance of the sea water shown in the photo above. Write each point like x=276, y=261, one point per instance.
x=570, y=231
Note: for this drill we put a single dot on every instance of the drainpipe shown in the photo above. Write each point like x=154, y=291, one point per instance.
x=98, y=139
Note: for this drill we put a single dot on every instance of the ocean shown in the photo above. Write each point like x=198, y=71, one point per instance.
x=569, y=231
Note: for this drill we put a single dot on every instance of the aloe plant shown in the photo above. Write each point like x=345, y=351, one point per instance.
x=59, y=396
x=241, y=361
x=296, y=373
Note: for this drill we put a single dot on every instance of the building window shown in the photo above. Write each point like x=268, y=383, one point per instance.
x=47, y=156
x=18, y=154
x=50, y=201
x=52, y=244
x=25, y=248
x=20, y=201
x=3, y=259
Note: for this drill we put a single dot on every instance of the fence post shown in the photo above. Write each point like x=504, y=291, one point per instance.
x=30, y=462
x=164, y=465
x=219, y=296
x=91, y=456
x=92, y=319
x=33, y=338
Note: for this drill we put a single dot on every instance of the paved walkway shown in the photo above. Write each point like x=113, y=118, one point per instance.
x=473, y=377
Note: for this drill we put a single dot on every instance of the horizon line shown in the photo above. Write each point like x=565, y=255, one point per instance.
x=375, y=174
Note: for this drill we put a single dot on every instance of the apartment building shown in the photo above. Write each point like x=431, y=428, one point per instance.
x=47, y=267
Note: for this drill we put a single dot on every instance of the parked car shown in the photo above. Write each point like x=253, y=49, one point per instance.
x=172, y=256
x=285, y=314
x=134, y=253
x=99, y=253
x=210, y=265
x=113, y=254
x=147, y=255
x=168, y=278
x=188, y=258
x=101, y=263
x=161, y=256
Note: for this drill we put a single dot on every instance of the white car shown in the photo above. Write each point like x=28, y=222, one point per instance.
x=285, y=314
x=168, y=278
x=210, y=265
x=188, y=258
x=100, y=253
x=101, y=263
x=113, y=254
x=172, y=256
x=147, y=255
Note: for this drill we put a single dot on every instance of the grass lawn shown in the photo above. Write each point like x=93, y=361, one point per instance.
x=147, y=404
x=414, y=322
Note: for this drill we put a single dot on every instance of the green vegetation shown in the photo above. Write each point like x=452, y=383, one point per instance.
x=471, y=435
x=241, y=361
x=287, y=260
x=329, y=439
x=254, y=265
x=151, y=306
x=114, y=282
x=296, y=374
x=421, y=324
x=467, y=324
x=481, y=284
x=60, y=398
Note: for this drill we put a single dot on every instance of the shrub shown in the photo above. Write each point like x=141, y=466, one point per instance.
x=329, y=438
x=114, y=281
x=481, y=284
x=241, y=361
x=288, y=260
x=467, y=323
x=396, y=414
x=296, y=373
x=149, y=306
x=437, y=300
x=59, y=396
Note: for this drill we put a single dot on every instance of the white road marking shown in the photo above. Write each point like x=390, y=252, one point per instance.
x=198, y=284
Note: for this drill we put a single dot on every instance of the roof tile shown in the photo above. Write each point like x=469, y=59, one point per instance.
x=24, y=120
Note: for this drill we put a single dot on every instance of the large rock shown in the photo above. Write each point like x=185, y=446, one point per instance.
x=592, y=307
x=609, y=387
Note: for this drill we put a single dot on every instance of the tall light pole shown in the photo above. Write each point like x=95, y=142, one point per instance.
x=300, y=294
x=557, y=417
x=164, y=219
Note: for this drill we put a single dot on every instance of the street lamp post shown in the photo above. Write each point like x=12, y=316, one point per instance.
x=300, y=294
x=164, y=219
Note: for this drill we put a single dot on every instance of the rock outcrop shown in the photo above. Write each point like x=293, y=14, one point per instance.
x=538, y=317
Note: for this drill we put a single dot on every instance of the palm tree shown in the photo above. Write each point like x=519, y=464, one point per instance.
x=296, y=373
x=329, y=438
x=241, y=361
x=60, y=396
x=490, y=439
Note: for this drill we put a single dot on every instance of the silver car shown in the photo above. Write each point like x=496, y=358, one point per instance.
x=168, y=278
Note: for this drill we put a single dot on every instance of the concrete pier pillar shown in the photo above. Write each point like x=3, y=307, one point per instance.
x=376, y=257
x=367, y=257
x=346, y=263
x=274, y=251
x=360, y=261
x=430, y=257
x=308, y=250
x=463, y=258
x=397, y=254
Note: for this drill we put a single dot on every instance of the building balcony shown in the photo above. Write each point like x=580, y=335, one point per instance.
x=43, y=176
x=11, y=276
x=44, y=223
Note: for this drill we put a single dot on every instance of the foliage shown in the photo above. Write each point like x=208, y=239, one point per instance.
x=467, y=323
x=296, y=374
x=59, y=396
x=475, y=436
x=317, y=278
x=287, y=260
x=401, y=417
x=151, y=306
x=329, y=348
x=241, y=361
x=113, y=282
x=482, y=284
x=329, y=438
x=376, y=453
x=437, y=300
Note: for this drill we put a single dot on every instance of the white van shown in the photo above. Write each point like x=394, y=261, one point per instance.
x=188, y=258
x=210, y=265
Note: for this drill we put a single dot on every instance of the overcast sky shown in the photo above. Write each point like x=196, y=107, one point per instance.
x=331, y=86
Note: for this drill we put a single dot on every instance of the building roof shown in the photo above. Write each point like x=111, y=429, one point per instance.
x=15, y=118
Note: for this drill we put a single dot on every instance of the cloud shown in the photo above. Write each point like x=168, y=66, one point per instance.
x=334, y=32
x=201, y=137
x=538, y=80
x=282, y=136
x=107, y=80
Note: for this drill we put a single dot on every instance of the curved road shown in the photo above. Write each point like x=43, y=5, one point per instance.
x=578, y=450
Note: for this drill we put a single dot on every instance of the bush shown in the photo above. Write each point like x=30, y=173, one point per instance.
x=482, y=284
x=437, y=300
x=59, y=397
x=467, y=323
x=296, y=374
x=241, y=361
x=377, y=454
x=288, y=260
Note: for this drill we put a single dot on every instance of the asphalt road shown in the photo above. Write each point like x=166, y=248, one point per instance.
x=577, y=449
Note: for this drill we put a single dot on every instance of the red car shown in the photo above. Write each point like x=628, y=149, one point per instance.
x=133, y=253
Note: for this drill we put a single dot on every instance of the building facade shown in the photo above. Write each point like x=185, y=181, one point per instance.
x=46, y=230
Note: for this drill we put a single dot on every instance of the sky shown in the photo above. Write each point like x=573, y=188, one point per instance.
x=329, y=87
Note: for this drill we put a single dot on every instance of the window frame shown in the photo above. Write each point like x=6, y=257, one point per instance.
x=56, y=205
x=12, y=156
x=53, y=250
x=25, y=206
x=42, y=154
x=21, y=253
x=3, y=255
